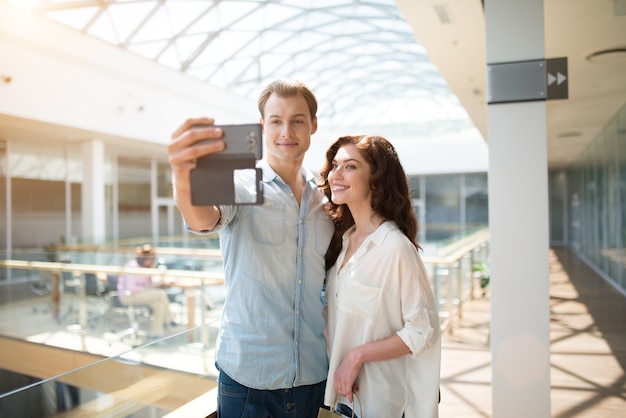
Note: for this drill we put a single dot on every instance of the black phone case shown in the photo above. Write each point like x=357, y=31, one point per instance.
x=212, y=179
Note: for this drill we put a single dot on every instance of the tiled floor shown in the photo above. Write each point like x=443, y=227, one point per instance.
x=588, y=348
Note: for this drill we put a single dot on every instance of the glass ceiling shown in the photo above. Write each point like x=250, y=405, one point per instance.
x=359, y=56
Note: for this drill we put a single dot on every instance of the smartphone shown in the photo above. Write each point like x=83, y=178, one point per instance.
x=230, y=177
x=242, y=142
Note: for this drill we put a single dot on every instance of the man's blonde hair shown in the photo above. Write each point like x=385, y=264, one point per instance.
x=288, y=88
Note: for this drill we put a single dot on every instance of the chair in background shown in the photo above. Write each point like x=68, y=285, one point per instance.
x=124, y=320
x=42, y=287
x=70, y=286
x=98, y=305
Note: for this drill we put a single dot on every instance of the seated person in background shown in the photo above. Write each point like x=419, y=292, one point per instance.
x=136, y=289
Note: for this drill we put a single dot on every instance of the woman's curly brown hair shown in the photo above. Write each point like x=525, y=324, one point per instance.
x=389, y=184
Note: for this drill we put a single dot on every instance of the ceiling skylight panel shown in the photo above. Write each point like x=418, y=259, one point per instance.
x=234, y=68
x=391, y=3
x=104, y=29
x=250, y=72
x=343, y=42
x=207, y=22
x=387, y=38
x=329, y=4
x=170, y=58
x=150, y=50
x=249, y=88
x=411, y=48
x=75, y=18
x=310, y=61
x=158, y=27
x=183, y=13
x=229, y=12
x=277, y=65
x=126, y=16
x=271, y=40
x=212, y=55
x=302, y=42
x=186, y=46
x=65, y=3
x=344, y=27
x=361, y=53
x=366, y=48
x=220, y=79
x=401, y=29
x=309, y=20
x=361, y=11
x=203, y=73
x=272, y=15
x=232, y=42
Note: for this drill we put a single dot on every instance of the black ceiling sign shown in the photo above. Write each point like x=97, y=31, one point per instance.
x=557, y=78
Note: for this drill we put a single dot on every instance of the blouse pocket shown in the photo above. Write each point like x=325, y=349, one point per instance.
x=359, y=299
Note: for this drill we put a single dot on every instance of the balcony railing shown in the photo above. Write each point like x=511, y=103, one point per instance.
x=59, y=333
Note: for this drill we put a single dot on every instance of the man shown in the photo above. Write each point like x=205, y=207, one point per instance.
x=271, y=350
x=136, y=289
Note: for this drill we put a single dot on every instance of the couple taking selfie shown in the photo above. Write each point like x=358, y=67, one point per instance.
x=287, y=348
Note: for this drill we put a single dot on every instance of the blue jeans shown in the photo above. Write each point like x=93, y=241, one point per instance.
x=238, y=401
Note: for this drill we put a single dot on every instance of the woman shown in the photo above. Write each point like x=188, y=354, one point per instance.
x=135, y=289
x=383, y=326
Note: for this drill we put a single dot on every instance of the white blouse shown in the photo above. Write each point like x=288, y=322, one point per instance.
x=384, y=289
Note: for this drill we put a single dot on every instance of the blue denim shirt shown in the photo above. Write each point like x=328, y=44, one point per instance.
x=271, y=335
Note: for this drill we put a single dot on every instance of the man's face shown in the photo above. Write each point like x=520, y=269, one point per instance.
x=288, y=128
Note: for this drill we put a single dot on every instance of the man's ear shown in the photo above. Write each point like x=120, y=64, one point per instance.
x=314, y=125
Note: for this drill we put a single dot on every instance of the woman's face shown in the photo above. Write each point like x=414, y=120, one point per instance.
x=146, y=261
x=349, y=178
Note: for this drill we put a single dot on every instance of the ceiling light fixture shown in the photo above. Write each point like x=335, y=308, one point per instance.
x=607, y=56
x=443, y=12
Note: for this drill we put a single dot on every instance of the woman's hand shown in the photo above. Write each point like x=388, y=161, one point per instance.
x=347, y=373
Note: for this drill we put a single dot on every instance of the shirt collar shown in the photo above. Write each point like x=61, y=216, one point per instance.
x=378, y=236
x=270, y=175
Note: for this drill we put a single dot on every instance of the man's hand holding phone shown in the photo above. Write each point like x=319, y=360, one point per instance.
x=184, y=149
x=206, y=159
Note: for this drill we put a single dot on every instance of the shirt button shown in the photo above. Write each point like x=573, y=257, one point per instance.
x=299, y=281
x=297, y=312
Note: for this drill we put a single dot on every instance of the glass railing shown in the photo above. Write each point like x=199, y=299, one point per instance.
x=149, y=381
x=457, y=272
x=64, y=304
x=74, y=302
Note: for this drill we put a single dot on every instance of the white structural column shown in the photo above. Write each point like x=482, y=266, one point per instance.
x=518, y=210
x=93, y=205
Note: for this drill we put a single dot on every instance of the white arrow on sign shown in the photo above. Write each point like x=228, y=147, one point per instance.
x=560, y=78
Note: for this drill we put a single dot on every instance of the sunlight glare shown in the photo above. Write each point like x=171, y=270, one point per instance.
x=26, y=4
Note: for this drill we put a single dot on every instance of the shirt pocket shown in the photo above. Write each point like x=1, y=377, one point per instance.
x=323, y=231
x=356, y=298
x=270, y=227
